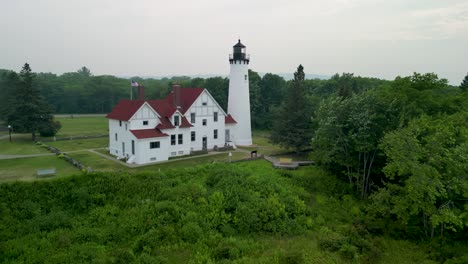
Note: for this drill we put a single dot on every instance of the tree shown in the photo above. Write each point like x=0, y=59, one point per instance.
x=85, y=72
x=348, y=134
x=255, y=97
x=427, y=175
x=292, y=127
x=271, y=94
x=464, y=84
x=9, y=82
x=29, y=113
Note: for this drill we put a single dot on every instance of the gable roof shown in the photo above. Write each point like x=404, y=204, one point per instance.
x=185, y=123
x=125, y=109
x=166, y=107
x=148, y=133
x=229, y=120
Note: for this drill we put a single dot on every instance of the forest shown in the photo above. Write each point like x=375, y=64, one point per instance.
x=390, y=183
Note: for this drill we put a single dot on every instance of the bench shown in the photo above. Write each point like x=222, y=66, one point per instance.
x=45, y=172
x=285, y=161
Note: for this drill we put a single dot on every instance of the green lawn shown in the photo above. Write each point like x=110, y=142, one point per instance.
x=260, y=140
x=20, y=145
x=24, y=169
x=82, y=126
x=96, y=162
x=80, y=144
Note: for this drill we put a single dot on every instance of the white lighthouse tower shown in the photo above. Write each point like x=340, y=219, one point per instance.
x=239, y=99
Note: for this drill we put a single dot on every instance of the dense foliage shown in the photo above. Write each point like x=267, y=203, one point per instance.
x=402, y=144
x=244, y=213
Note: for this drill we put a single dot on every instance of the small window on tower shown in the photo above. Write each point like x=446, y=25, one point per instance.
x=245, y=77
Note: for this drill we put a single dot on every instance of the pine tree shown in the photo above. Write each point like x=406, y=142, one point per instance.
x=292, y=128
x=29, y=113
x=464, y=84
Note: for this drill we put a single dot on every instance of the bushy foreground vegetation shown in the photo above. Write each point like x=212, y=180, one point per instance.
x=237, y=213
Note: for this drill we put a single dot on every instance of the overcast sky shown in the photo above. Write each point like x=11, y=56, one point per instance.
x=378, y=38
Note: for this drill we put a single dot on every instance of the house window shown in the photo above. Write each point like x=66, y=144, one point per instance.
x=145, y=123
x=215, y=133
x=120, y=122
x=192, y=135
x=154, y=145
x=204, y=122
x=126, y=128
x=133, y=147
x=179, y=139
x=176, y=120
x=116, y=138
x=173, y=140
x=204, y=103
x=215, y=116
x=192, y=118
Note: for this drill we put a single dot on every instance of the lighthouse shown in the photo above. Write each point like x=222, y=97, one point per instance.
x=239, y=99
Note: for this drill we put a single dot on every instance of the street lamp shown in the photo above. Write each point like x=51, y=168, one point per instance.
x=9, y=131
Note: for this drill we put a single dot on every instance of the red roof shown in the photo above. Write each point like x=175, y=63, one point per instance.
x=165, y=123
x=185, y=123
x=125, y=109
x=148, y=133
x=229, y=120
x=167, y=107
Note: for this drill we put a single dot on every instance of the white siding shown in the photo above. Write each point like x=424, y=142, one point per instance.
x=145, y=113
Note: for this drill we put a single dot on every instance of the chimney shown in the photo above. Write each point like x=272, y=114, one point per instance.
x=141, y=92
x=176, y=90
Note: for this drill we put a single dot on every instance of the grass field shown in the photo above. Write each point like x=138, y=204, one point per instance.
x=99, y=163
x=83, y=126
x=262, y=145
x=24, y=169
x=20, y=146
x=80, y=144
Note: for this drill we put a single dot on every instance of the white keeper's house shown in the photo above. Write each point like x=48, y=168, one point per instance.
x=188, y=119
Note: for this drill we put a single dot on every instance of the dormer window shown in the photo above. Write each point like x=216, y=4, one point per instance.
x=176, y=120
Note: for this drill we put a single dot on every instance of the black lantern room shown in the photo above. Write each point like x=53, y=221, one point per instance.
x=239, y=55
